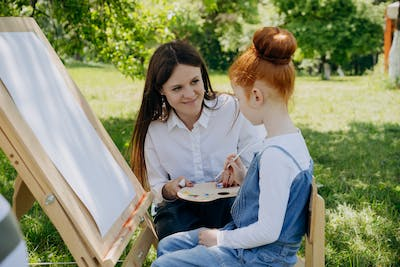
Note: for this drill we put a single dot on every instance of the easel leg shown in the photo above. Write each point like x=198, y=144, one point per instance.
x=143, y=242
x=22, y=199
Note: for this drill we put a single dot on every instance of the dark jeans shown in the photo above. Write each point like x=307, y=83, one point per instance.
x=181, y=215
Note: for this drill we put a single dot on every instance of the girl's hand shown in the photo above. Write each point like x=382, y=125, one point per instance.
x=171, y=188
x=208, y=237
x=234, y=170
x=227, y=178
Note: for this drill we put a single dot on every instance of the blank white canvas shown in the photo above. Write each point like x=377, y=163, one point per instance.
x=59, y=123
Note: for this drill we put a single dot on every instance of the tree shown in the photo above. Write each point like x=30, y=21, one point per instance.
x=125, y=32
x=335, y=31
x=118, y=31
x=217, y=28
x=131, y=31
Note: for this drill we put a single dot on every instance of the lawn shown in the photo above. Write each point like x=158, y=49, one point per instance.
x=352, y=128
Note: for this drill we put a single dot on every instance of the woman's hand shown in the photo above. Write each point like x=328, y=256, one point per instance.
x=171, y=188
x=208, y=237
x=235, y=171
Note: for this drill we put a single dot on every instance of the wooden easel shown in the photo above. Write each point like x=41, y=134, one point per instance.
x=39, y=180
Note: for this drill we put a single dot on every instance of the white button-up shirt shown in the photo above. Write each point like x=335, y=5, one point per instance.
x=172, y=150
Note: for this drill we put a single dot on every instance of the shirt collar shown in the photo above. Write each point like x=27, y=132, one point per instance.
x=175, y=121
x=204, y=117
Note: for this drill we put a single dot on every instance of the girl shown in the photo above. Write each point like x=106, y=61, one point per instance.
x=269, y=214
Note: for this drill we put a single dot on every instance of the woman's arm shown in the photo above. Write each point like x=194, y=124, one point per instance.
x=163, y=187
x=156, y=174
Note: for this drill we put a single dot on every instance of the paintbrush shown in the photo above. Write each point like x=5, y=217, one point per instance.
x=235, y=158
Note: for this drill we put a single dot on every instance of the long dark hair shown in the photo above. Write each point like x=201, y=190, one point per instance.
x=162, y=63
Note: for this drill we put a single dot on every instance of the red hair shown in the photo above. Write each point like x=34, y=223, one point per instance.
x=268, y=59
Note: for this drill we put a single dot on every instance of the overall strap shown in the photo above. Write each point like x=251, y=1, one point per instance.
x=287, y=153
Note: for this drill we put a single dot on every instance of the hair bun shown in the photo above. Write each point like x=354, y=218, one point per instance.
x=274, y=45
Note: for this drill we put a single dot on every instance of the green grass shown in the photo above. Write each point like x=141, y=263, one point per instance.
x=352, y=128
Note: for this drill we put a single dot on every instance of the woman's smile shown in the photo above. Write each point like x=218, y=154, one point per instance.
x=190, y=102
x=184, y=91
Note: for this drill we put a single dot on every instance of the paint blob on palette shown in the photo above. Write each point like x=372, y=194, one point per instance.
x=205, y=192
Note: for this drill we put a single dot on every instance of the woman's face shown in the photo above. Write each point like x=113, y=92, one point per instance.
x=184, y=91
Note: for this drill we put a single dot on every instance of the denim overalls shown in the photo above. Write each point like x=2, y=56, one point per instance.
x=182, y=249
x=245, y=211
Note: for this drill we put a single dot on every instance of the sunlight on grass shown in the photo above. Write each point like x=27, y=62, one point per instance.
x=345, y=100
x=220, y=82
x=109, y=93
x=359, y=229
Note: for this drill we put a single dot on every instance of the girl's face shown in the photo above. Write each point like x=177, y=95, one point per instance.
x=184, y=91
x=249, y=111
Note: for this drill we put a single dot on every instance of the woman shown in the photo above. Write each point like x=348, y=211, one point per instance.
x=182, y=135
x=269, y=214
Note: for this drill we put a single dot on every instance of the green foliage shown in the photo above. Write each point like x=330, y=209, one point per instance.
x=42, y=239
x=337, y=31
x=358, y=229
x=125, y=32
x=118, y=31
x=7, y=175
x=217, y=30
x=12, y=8
x=131, y=30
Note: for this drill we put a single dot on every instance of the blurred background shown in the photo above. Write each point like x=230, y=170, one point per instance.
x=343, y=37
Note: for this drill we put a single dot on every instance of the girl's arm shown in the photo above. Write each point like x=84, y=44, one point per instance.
x=276, y=176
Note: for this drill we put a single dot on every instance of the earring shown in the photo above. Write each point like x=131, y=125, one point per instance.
x=164, y=111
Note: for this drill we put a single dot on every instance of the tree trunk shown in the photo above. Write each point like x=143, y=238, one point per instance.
x=340, y=71
x=325, y=68
x=327, y=71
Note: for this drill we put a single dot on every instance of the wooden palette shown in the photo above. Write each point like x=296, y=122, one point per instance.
x=205, y=192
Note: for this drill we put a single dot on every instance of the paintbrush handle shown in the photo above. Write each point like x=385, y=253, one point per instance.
x=235, y=158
